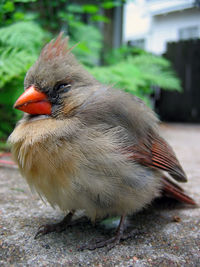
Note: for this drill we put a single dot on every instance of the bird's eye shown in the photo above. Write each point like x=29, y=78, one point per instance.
x=65, y=87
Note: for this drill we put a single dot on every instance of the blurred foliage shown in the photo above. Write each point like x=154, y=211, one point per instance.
x=26, y=25
x=137, y=72
x=89, y=48
x=18, y=50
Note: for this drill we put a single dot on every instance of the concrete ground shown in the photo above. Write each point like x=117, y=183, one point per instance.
x=171, y=232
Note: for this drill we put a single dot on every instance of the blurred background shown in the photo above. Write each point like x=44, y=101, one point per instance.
x=150, y=48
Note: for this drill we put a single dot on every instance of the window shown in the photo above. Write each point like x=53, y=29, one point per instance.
x=189, y=33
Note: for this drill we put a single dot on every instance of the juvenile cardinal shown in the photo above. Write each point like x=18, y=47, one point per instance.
x=84, y=145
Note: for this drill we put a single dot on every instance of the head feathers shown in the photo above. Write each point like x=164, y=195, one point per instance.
x=56, y=48
x=57, y=65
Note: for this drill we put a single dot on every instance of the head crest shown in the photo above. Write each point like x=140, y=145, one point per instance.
x=56, y=48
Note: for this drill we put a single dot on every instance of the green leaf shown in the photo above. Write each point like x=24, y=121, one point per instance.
x=89, y=48
x=91, y=9
x=74, y=8
x=20, y=44
x=100, y=18
x=83, y=46
x=23, y=35
x=138, y=74
x=9, y=6
x=110, y=4
x=19, y=16
x=25, y=1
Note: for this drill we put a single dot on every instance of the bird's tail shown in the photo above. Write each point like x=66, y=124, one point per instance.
x=172, y=190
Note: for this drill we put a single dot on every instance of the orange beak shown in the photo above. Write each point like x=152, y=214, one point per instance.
x=33, y=102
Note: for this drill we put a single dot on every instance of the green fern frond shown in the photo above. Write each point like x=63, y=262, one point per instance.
x=13, y=62
x=138, y=75
x=19, y=47
x=22, y=35
x=89, y=41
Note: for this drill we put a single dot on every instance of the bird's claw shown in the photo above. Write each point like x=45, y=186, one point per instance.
x=42, y=230
x=49, y=228
x=109, y=243
x=100, y=243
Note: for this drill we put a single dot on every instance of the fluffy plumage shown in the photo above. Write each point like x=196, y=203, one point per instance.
x=99, y=149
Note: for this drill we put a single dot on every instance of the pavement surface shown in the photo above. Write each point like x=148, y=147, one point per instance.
x=170, y=231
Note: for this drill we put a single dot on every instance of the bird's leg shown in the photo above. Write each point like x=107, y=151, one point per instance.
x=57, y=227
x=110, y=243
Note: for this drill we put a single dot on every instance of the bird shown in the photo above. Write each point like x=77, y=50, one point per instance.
x=82, y=145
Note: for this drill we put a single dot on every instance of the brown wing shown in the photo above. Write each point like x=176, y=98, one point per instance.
x=156, y=153
x=172, y=190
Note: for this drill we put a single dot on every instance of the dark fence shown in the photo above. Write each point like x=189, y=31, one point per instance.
x=185, y=106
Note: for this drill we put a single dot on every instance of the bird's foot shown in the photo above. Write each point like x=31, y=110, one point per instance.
x=57, y=227
x=49, y=228
x=101, y=242
x=111, y=242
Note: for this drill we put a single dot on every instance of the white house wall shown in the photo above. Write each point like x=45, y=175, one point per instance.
x=136, y=20
x=156, y=30
x=165, y=28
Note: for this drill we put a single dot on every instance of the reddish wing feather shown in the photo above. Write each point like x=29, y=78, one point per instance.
x=158, y=154
x=171, y=189
x=164, y=158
